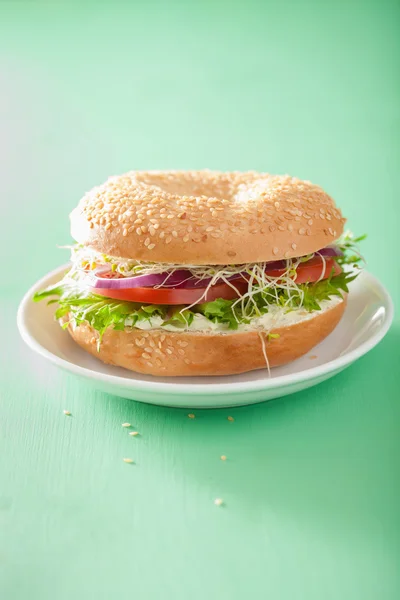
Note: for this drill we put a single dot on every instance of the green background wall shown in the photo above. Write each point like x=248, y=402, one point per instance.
x=90, y=89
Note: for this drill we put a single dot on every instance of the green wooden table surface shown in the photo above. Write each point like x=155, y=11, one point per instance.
x=311, y=484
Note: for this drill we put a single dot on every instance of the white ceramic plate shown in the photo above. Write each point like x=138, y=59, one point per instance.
x=367, y=318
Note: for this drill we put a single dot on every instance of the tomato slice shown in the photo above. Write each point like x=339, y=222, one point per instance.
x=175, y=295
x=312, y=270
x=307, y=272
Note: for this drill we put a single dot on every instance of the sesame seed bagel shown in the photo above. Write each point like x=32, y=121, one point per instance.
x=167, y=354
x=206, y=217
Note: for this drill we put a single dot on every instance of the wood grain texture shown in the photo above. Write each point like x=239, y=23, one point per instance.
x=310, y=484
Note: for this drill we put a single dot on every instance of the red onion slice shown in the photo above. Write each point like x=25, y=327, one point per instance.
x=182, y=278
x=330, y=251
x=276, y=264
x=122, y=283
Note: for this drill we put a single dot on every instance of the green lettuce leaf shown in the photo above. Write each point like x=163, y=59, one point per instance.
x=308, y=296
x=98, y=311
x=179, y=317
x=348, y=244
x=220, y=311
x=101, y=312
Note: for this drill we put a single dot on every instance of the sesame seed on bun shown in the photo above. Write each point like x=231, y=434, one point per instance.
x=185, y=353
x=206, y=217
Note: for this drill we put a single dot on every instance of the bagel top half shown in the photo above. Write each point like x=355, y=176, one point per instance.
x=206, y=217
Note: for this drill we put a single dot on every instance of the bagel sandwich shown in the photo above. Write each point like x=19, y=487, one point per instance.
x=187, y=273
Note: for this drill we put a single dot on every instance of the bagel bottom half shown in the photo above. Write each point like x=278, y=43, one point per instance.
x=170, y=354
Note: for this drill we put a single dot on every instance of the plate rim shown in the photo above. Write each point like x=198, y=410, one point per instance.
x=331, y=366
